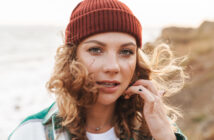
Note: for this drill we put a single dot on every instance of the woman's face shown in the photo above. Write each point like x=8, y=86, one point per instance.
x=111, y=57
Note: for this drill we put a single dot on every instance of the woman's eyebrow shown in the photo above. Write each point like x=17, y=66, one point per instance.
x=95, y=41
x=103, y=44
x=129, y=44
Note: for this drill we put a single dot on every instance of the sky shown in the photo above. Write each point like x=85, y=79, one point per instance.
x=151, y=13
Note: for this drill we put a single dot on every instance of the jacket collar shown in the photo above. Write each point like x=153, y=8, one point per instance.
x=53, y=110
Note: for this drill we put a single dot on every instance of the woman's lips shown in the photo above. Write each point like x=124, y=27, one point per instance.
x=108, y=86
x=109, y=89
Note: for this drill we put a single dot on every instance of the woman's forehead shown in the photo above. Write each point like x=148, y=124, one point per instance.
x=111, y=37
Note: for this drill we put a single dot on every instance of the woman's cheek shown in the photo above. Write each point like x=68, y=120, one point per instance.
x=128, y=66
x=93, y=64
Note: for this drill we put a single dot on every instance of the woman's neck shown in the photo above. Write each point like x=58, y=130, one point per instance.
x=99, y=118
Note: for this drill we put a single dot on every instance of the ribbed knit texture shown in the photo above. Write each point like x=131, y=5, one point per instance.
x=96, y=16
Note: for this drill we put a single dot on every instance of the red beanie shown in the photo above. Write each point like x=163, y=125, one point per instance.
x=96, y=16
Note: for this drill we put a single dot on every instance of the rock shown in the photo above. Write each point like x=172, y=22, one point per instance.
x=196, y=96
x=185, y=35
x=178, y=34
x=206, y=30
x=207, y=130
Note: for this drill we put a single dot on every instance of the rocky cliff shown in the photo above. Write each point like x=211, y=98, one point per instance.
x=197, y=98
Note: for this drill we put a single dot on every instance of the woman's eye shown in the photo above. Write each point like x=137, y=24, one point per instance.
x=95, y=50
x=126, y=52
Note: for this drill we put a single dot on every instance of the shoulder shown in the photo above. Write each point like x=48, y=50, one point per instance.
x=32, y=127
x=30, y=130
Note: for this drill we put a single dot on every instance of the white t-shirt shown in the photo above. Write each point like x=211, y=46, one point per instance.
x=108, y=135
x=34, y=130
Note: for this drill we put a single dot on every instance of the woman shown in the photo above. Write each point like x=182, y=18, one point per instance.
x=106, y=87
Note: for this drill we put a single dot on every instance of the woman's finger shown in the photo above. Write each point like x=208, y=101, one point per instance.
x=142, y=91
x=148, y=84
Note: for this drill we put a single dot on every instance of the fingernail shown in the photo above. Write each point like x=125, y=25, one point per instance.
x=127, y=97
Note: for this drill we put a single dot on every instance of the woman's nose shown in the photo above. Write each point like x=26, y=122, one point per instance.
x=111, y=65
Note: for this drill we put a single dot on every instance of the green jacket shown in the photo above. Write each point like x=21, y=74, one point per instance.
x=45, y=125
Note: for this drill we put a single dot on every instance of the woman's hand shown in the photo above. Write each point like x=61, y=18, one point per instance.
x=153, y=110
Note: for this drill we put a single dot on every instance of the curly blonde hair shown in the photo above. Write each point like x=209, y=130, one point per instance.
x=75, y=89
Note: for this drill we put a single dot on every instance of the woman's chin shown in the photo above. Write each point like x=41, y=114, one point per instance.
x=107, y=99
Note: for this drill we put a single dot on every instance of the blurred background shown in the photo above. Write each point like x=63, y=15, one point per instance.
x=31, y=31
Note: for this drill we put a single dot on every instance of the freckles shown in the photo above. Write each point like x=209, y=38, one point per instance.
x=131, y=67
x=88, y=60
x=127, y=63
x=93, y=65
x=92, y=62
x=128, y=67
